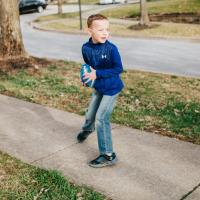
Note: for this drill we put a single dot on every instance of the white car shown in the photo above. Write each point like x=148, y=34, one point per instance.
x=111, y=1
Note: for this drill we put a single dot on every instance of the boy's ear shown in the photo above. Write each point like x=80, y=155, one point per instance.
x=89, y=31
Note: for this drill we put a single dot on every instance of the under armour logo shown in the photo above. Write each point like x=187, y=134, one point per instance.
x=103, y=56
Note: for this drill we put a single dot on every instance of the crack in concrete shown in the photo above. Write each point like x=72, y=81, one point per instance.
x=51, y=154
x=190, y=192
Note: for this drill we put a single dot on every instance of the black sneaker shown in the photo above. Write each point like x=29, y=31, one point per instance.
x=83, y=135
x=103, y=160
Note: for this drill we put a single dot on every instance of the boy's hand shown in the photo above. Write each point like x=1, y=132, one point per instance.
x=91, y=75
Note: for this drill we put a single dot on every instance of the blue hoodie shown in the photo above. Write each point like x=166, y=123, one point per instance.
x=105, y=59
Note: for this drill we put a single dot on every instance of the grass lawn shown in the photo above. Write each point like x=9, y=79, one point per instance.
x=69, y=22
x=22, y=181
x=88, y=1
x=82, y=2
x=155, y=7
x=56, y=17
x=167, y=30
x=164, y=104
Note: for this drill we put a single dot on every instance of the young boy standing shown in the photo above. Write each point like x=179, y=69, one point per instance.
x=106, y=66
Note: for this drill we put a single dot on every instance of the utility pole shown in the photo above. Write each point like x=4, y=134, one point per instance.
x=80, y=14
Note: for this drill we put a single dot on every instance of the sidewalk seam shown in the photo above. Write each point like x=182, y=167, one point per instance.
x=190, y=192
x=49, y=155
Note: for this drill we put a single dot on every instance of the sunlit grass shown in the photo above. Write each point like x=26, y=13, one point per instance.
x=161, y=30
x=154, y=102
x=22, y=181
x=162, y=6
x=69, y=22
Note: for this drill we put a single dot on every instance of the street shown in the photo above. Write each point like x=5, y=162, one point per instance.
x=177, y=57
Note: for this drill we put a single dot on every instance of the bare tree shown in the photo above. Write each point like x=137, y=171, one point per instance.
x=11, y=44
x=60, y=2
x=144, y=18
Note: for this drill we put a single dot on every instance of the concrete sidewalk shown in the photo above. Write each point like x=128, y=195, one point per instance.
x=151, y=167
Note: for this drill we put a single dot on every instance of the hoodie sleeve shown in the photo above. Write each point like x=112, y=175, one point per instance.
x=84, y=55
x=116, y=66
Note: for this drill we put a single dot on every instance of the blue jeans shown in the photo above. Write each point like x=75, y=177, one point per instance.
x=101, y=107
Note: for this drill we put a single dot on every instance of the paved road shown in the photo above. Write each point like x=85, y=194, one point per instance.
x=166, y=56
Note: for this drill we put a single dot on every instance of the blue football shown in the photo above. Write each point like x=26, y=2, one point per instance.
x=86, y=69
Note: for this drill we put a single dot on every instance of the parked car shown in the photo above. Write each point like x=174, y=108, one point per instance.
x=32, y=5
x=112, y=1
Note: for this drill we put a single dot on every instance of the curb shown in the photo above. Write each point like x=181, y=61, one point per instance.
x=35, y=26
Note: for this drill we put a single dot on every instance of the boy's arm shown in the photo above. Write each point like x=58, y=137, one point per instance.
x=116, y=63
x=84, y=55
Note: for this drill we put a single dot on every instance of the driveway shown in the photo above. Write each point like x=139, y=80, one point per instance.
x=157, y=55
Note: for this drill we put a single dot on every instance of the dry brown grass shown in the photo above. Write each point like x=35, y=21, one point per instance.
x=166, y=30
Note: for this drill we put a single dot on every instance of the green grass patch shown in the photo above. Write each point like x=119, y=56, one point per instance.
x=149, y=101
x=69, y=22
x=22, y=181
x=155, y=7
x=182, y=117
x=56, y=17
x=86, y=2
x=89, y=1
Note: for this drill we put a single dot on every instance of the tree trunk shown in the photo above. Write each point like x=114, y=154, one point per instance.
x=11, y=45
x=60, y=11
x=144, y=18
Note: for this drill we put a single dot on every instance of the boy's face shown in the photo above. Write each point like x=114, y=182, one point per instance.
x=99, y=31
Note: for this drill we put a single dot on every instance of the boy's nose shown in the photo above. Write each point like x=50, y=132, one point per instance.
x=105, y=32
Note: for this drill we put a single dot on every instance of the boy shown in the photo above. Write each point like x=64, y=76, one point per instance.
x=106, y=66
